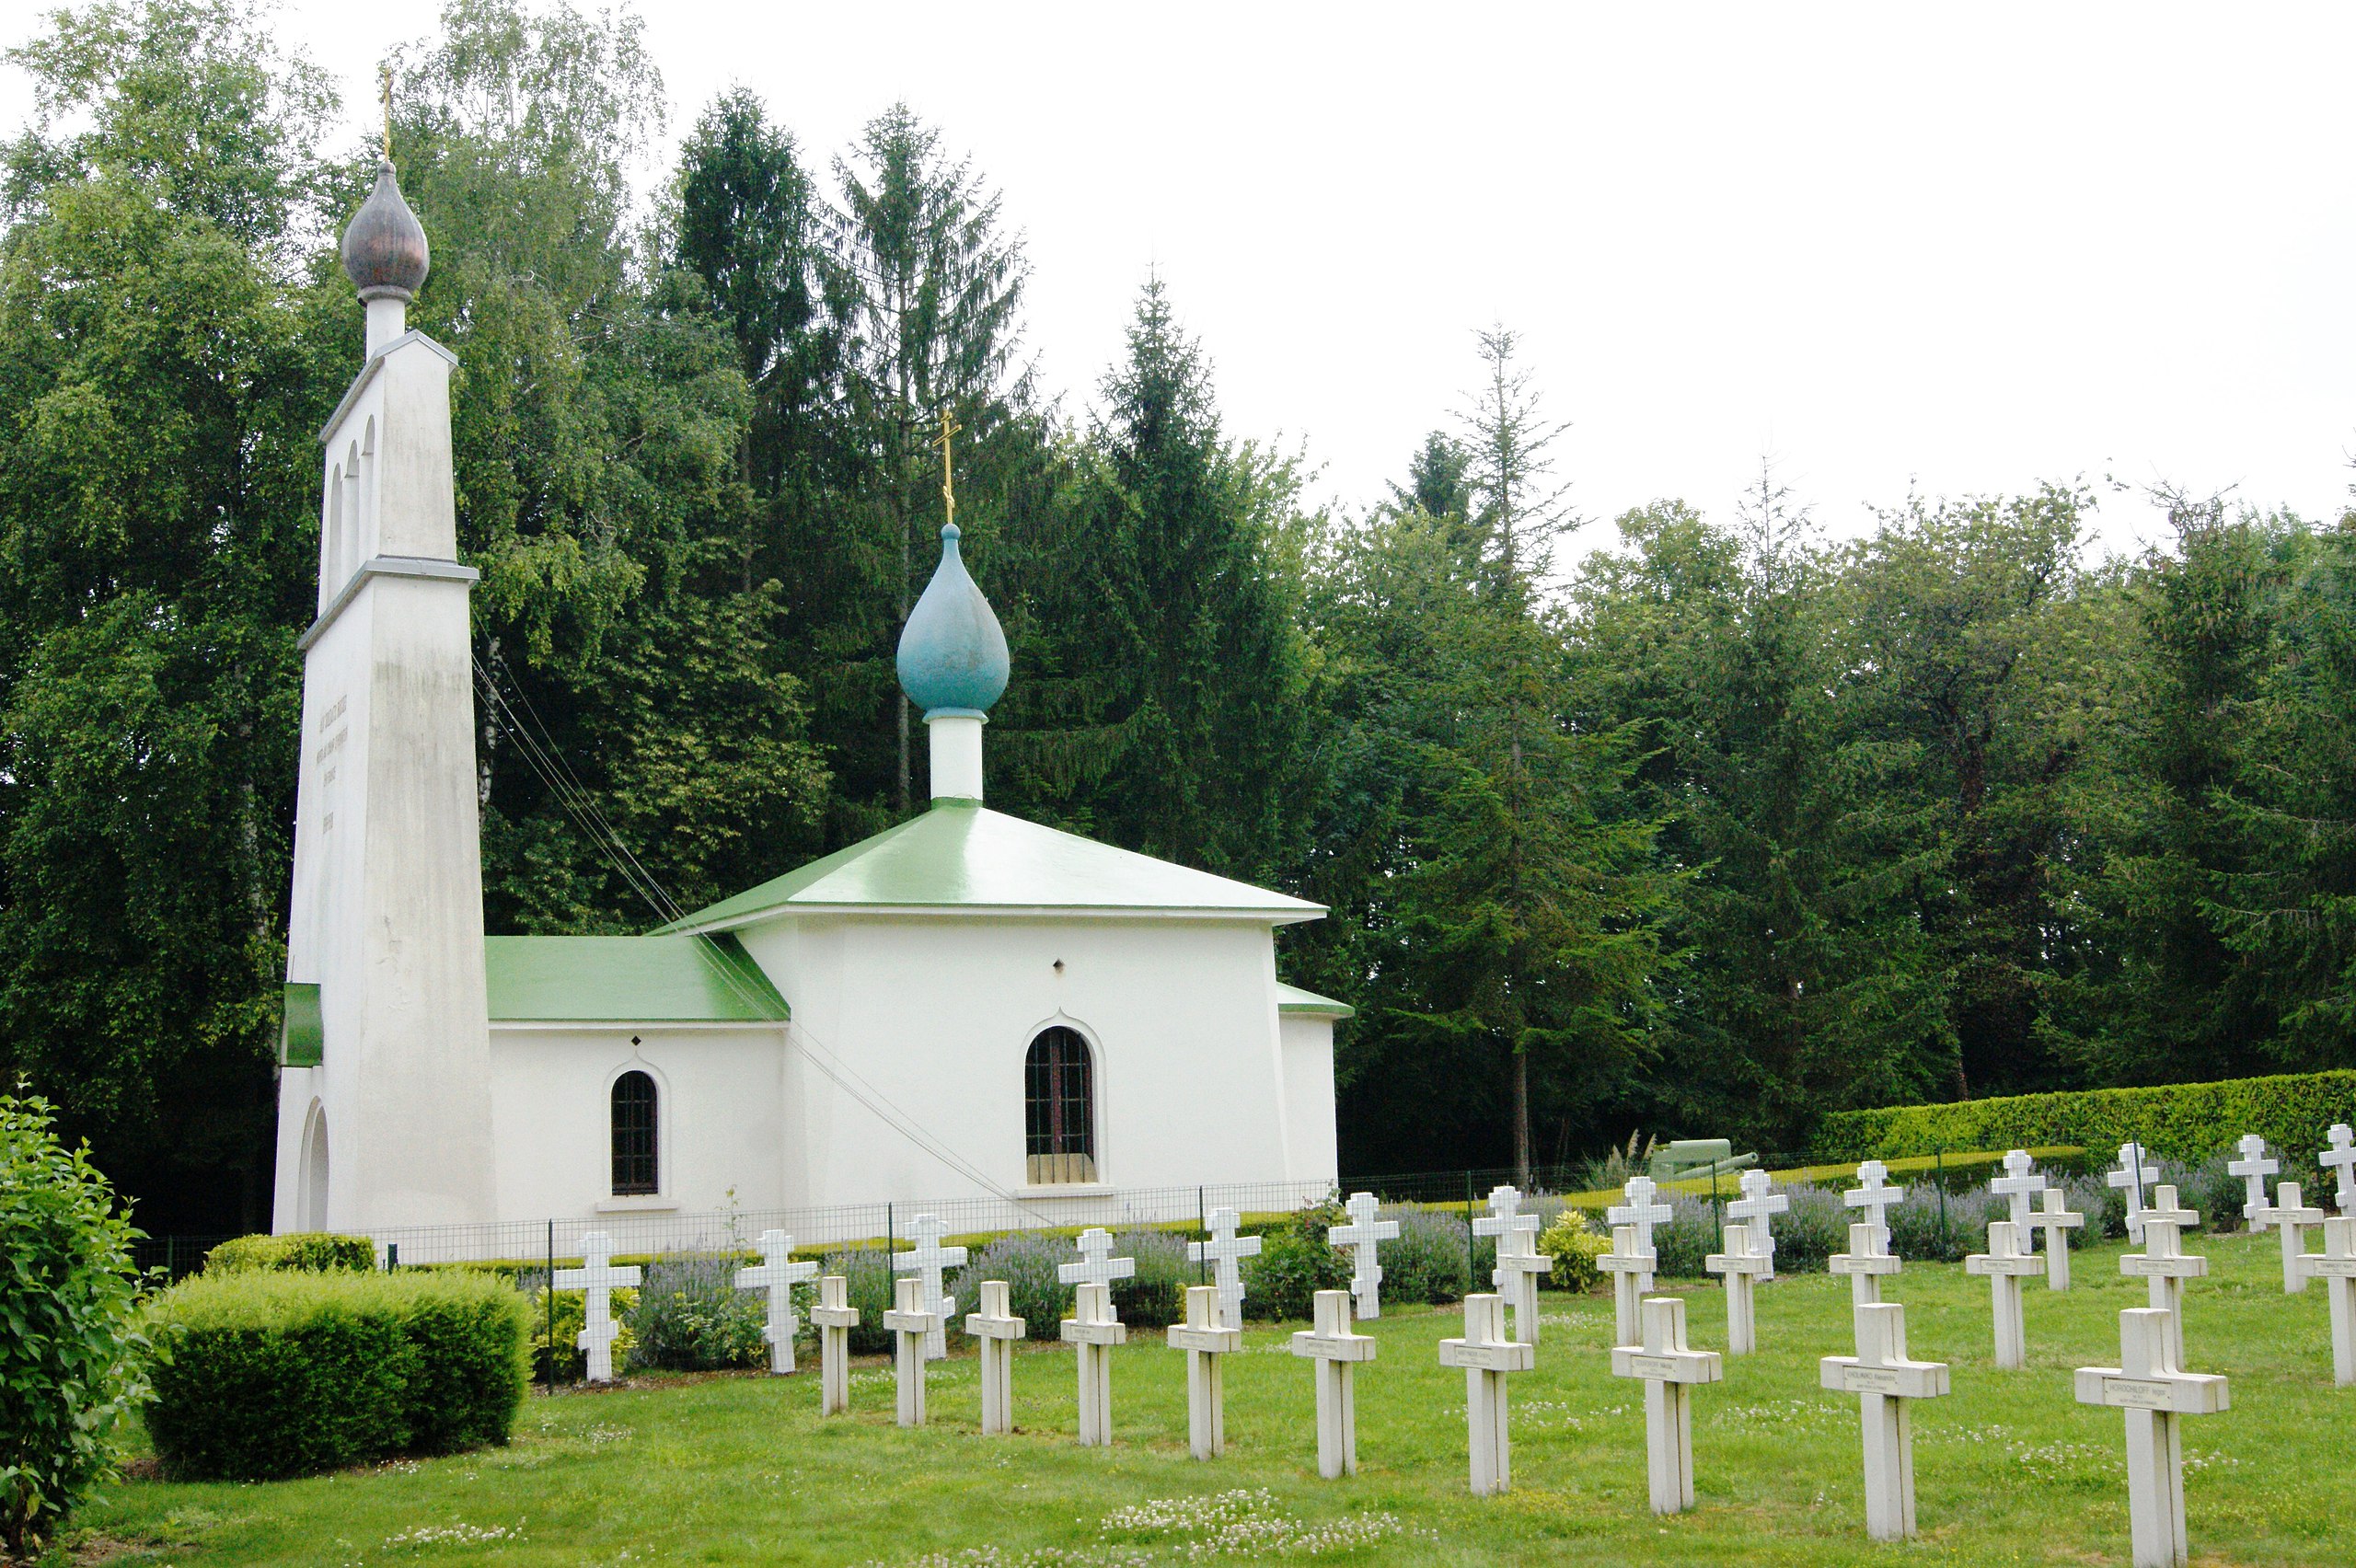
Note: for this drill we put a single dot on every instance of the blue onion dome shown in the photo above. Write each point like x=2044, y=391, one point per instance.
x=384, y=250
x=952, y=654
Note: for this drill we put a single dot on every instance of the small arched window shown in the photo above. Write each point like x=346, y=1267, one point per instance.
x=636, y=1170
x=1059, y=1118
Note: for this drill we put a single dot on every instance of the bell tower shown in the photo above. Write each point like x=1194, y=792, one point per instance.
x=384, y=1108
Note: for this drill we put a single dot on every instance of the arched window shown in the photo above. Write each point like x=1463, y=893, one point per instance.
x=1060, y=1115
x=635, y=1166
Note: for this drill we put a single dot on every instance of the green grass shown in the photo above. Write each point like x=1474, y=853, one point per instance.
x=2009, y=1469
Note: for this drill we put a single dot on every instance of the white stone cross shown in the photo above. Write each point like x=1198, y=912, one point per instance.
x=1223, y=1252
x=1885, y=1382
x=1487, y=1356
x=2020, y=1183
x=2133, y=1173
x=1205, y=1337
x=1336, y=1350
x=596, y=1279
x=2252, y=1167
x=1360, y=1237
x=996, y=1328
x=1865, y=1263
x=1743, y=1267
x=1670, y=1371
x=1874, y=1193
x=1095, y=1327
x=1644, y=1210
x=1518, y=1260
x=926, y=1260
x=835, y=1318
x=1097, y=1265
x=2291, y=1217
x=912, y=1326
x=2006, y=1263
x=1630, y=1269
x=1757, y=1207
x=2341, y=1156
x=2156, y=1395
x=778, y=1274
x=2336, y=1266
x=2165, y=1264
x=2056, y=1218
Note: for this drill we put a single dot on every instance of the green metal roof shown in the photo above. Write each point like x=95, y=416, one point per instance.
x=1293, y=1000
x=626, y=980
x=961, y=855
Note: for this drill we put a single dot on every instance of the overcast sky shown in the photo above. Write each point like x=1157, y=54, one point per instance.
x=1960, y=249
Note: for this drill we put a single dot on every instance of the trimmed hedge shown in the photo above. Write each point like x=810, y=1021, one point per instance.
x=261, y=1376
x=2185, y=1121
x=315, y=1251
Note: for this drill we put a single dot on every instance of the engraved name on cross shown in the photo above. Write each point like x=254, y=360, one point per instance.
x=2149, y=1388
x=597, y=1279
x=1360, y=1237
x=1885, y=1382
x=927, y=1259
x=1670, y=1370
x=778, y=1274
x=1223, y=1252
x=1487, y=1356
x=1336, y=1350
x=2006, y=1263
x=1205, y=1338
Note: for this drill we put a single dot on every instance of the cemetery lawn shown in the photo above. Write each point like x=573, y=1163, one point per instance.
x=739, y=1469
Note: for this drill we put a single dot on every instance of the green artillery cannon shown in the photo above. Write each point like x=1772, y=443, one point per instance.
x=1689, y=1159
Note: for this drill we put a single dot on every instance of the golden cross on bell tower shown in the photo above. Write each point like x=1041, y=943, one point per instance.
x=384, y=97
x=949, y=427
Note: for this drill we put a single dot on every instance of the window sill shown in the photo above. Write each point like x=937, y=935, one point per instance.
x=643, y=1203
x=1065, y=1190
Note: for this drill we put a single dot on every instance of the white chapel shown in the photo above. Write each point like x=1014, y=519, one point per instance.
x=965, y=1004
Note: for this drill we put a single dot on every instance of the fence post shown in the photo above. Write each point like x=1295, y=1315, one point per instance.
x=1717, y=1226
x=1203, y=1223
x=551, y=1300
x=392, y=1256
x=891, y=1245
x=1939, y=1180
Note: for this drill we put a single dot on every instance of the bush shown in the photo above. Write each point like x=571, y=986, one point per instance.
x=71, y=1353
x=1027, y=1261
x=261, y=1376
x=1155, y=1296
x=1690, y=1235
x=1811, y=1230
x=1923, y=1232
x=1296, y=1260
x=1425, y=1262
x=1575, y=1245
x=2189, y=1121
x=690, y=1316
x=313, y=1251
x=867, y=1285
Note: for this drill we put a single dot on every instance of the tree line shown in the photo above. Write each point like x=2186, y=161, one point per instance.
x=1719, y=828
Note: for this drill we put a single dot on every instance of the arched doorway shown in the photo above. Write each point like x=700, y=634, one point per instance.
x=313, y=1207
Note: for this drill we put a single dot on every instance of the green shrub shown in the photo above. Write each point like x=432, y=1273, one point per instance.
x=72, y=1356
x=1155, y=1295
x=2184, y=1120
x=313, y=1251
x=261, y=1376
x=1296, y=1260
x=1027, y=1261
x=1575, y=1245
x=557, y=1339
x=1425, y=1262
x=867, y=1285
x=690, y=1316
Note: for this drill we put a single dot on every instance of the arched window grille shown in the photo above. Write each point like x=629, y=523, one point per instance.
x=635, y=1166
x=1059, y=1120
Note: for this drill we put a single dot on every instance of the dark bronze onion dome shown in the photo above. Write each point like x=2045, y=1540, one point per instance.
x=384, y=250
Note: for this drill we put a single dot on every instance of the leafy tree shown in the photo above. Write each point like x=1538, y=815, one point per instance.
x=933, y=328
x=163, y=355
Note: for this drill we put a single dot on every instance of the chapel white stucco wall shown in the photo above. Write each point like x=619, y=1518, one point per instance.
x=936, y=1013
x=721, y=1134
x=1309, y=1091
